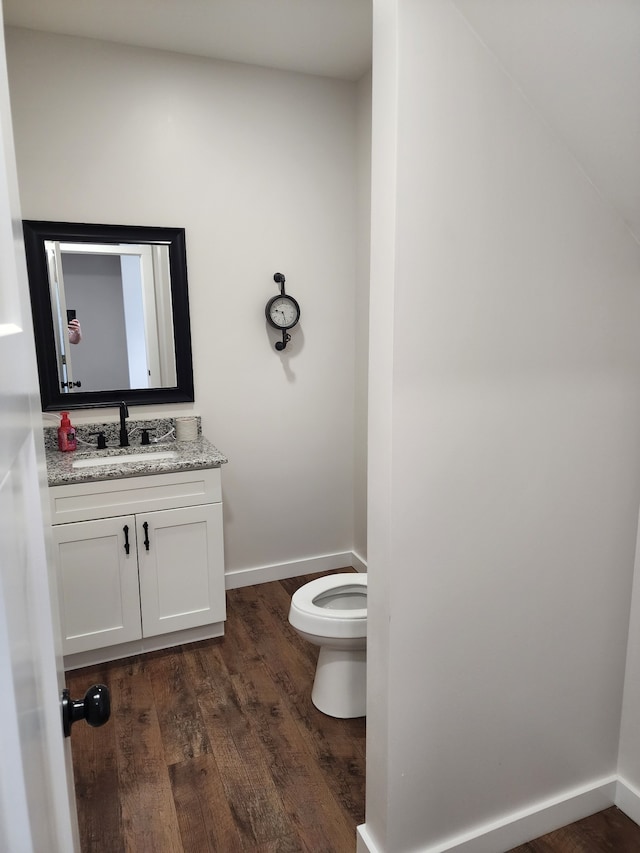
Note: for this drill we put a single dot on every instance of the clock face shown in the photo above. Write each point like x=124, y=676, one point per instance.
x=283, y=312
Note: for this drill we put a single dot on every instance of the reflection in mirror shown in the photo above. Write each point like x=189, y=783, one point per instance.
x=127, y=287
x=121, y=296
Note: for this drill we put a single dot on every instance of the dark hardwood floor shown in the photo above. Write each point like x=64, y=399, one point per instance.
x=215, y=746
x=608, y=830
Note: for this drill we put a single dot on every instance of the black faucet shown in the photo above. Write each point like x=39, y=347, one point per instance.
x=124, y=414
x=124, y=435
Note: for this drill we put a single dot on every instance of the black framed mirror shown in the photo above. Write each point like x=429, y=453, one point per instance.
x=126, y=285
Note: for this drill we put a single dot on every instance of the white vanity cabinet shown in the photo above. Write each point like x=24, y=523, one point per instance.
x=140, y=563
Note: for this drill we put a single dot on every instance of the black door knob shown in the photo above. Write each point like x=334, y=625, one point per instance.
x=95, y=708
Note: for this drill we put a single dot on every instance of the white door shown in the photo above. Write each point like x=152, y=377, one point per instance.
x=97, y=568
x=59, y=312
x=37, y=807
x=180, y=558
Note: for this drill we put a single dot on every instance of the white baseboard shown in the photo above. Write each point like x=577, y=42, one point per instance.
x=146, y=644
x=364, y=842
x=522, y=826
x=280, y=571
x=628, y=799
x=358, y=562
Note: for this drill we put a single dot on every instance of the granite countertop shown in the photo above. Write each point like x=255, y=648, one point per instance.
x=186, y=455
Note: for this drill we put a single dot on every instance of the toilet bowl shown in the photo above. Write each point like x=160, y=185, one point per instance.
x=331, y=612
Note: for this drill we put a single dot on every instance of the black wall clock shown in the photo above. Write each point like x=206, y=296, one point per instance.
x=282, y=312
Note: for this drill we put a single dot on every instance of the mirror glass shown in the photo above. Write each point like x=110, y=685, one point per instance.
x=110, y=312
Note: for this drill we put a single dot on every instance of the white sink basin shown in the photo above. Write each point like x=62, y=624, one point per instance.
x=124, y=458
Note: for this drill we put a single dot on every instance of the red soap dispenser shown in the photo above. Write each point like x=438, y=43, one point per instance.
x=66, y=434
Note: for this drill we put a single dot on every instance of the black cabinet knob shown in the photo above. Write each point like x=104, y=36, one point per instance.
x=95, y=708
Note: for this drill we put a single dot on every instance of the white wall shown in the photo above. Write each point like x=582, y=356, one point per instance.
x=382, y=572
x=628, y=797
x=362, y=316
x=504, y=453
x=259, y=167
x=578, y=61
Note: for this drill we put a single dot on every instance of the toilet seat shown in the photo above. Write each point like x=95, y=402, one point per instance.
x=308, y=614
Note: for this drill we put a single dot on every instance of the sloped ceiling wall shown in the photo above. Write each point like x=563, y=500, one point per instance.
x=325, y=37
x=578, y=63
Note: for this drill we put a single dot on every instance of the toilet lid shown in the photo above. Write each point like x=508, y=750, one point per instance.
x=347, y=590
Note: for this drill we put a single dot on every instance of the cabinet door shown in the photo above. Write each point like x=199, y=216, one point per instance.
x=181, y=559
x=98, y=583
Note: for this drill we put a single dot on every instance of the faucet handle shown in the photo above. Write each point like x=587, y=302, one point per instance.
x=102, y=442
x=145, y=435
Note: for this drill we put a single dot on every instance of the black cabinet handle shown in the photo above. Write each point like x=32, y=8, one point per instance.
x=126, y=538
x=95, y=708
x=145, y=527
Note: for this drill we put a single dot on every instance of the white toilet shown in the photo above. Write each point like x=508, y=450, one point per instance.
x=331, y=612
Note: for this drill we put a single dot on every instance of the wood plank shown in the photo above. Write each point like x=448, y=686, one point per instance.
x=608, y=831
x=216, y=746
x=337, y=745
x=277, y=601
x=258, y=810
x=314, y=813
x=300, y=784
x=96, y=771
x=204, y=814
x=149, y=821
x=184, y=734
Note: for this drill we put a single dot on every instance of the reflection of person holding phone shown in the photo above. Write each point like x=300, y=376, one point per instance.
x=73, y=325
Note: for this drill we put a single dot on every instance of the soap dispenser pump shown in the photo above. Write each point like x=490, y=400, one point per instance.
x=66, y=434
